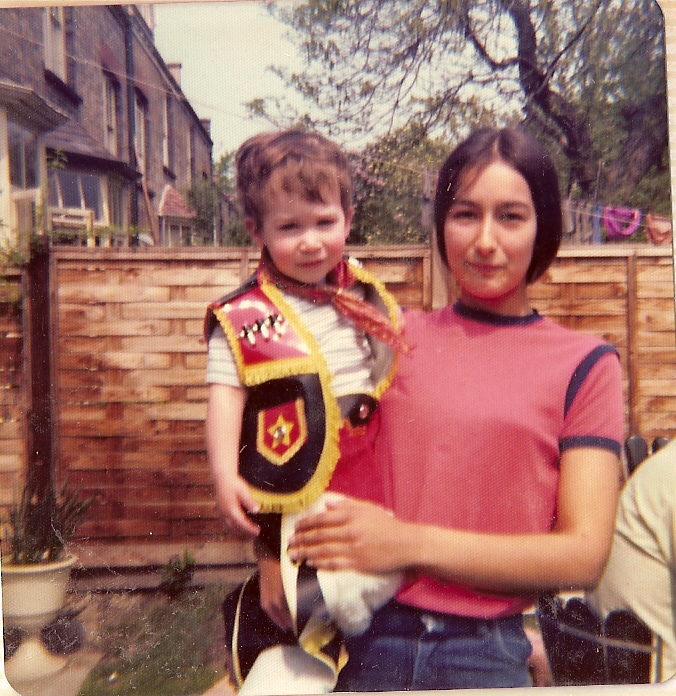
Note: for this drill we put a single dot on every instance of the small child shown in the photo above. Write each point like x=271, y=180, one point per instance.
x=298, y=358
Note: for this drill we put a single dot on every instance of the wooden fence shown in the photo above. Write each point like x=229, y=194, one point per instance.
x=625, y=296
x=128, y=370
x=131, y=395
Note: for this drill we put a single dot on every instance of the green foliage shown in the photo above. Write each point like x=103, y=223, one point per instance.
x=218, y=220
x=19, y=252
x=393, y=186
x=10, y=288
x=161, y=648
x=234, y=232
x=11, y=256
x=177, y=574
x=38, y=528
x=203, y=197
x=224, y=173
x=587, y=75
x=57, y=159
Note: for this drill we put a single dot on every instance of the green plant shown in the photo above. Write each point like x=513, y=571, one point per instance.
x=11, y=254
x=177, y=574
x=155, y=647
x=38, y=528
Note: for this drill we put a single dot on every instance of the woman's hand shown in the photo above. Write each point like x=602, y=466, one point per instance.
x=356, y=535
x=273, y=600
x=351, y=535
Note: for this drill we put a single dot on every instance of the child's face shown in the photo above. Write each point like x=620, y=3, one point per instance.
x=305, y=239
x=490, y=234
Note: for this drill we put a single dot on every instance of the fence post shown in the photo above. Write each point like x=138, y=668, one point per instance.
x=40, y=433
x=632, y=337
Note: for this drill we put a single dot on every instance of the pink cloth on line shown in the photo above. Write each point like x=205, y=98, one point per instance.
x=620, y=223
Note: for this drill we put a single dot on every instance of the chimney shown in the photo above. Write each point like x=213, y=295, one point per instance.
x=175, y=70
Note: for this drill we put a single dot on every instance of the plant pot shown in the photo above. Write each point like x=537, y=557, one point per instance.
x=32, y=596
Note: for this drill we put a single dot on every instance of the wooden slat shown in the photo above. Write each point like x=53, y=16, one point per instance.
x=130, y=360
x=146, y=347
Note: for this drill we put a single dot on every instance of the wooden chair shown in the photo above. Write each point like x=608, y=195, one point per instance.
x=636, y=450
x=73, y=225
x=584, y=651
x=658, y=443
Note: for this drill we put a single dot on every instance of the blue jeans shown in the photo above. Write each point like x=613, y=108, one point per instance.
x=410, y=649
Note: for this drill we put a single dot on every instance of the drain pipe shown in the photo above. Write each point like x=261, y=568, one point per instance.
x=131, y=107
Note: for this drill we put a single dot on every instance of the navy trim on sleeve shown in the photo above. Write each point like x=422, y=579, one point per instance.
x=581, y=372
x=595, y=441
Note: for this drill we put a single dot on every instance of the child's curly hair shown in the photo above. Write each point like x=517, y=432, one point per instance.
x=295, y=161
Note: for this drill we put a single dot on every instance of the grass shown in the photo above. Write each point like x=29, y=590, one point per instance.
x=156, y=646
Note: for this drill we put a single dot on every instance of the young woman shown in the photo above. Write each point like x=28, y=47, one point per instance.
x=500, y=441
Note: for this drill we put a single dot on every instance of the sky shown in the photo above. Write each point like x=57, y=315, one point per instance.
x=225, y=49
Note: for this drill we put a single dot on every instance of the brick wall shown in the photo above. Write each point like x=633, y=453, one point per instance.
x=18, y=57
x=104, y=47
x=96, y=43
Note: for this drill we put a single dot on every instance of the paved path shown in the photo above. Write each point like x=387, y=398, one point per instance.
x=69, y=680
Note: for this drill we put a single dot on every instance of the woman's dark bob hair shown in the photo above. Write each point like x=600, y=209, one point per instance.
x=519, y=149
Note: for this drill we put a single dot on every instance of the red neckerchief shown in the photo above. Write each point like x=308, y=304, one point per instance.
x=361, y=313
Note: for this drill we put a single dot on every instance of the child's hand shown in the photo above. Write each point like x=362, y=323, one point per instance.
x=273, y=599
x=235, y=501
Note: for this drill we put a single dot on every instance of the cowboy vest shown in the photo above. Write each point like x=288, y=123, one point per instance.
x=289, y=443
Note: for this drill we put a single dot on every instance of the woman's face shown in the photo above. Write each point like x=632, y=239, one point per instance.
x=490, y=233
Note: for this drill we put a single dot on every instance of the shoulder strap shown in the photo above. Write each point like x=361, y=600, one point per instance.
x=210, y=319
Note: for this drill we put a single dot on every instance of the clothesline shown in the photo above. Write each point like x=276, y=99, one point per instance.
x=574, y=206
x=598, y=223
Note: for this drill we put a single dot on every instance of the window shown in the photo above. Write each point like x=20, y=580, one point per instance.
x=19, y=149
x=69, y=189
x=141, y=131
x=55, y=41
x=23, y=157
x=111, y=102
x=167, y=158
x=86, y=208
x=191, y=152
x=115, y=203
x=178, y=234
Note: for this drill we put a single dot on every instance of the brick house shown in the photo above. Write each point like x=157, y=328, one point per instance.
x=95, y=131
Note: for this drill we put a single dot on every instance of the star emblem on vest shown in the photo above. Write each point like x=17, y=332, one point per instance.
x=281, y=432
